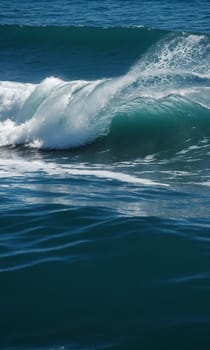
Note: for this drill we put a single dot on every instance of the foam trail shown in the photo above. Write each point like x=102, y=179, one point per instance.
x=19, y=167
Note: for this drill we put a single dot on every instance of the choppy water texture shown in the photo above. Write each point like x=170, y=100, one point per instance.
x=104, y=175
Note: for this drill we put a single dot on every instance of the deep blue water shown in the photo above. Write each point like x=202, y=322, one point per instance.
x=104, y=175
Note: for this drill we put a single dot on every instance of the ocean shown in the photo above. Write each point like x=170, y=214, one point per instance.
x=104, y=175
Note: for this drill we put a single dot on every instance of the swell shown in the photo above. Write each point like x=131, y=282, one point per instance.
x=70, y=52
x=96, y=38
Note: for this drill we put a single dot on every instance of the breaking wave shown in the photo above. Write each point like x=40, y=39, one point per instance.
x=162, y=99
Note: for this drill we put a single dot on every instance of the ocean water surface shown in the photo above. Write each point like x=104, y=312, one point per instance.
x=104, y=175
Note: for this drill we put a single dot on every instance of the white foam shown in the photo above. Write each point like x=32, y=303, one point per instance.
x=12, y=97
x=168, y=67
x=110, y=175
x=205, y=183
x=58, y=114
x=19, y=167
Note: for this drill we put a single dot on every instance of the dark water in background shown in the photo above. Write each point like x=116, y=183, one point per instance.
x=179, y=14
x=104, y=175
